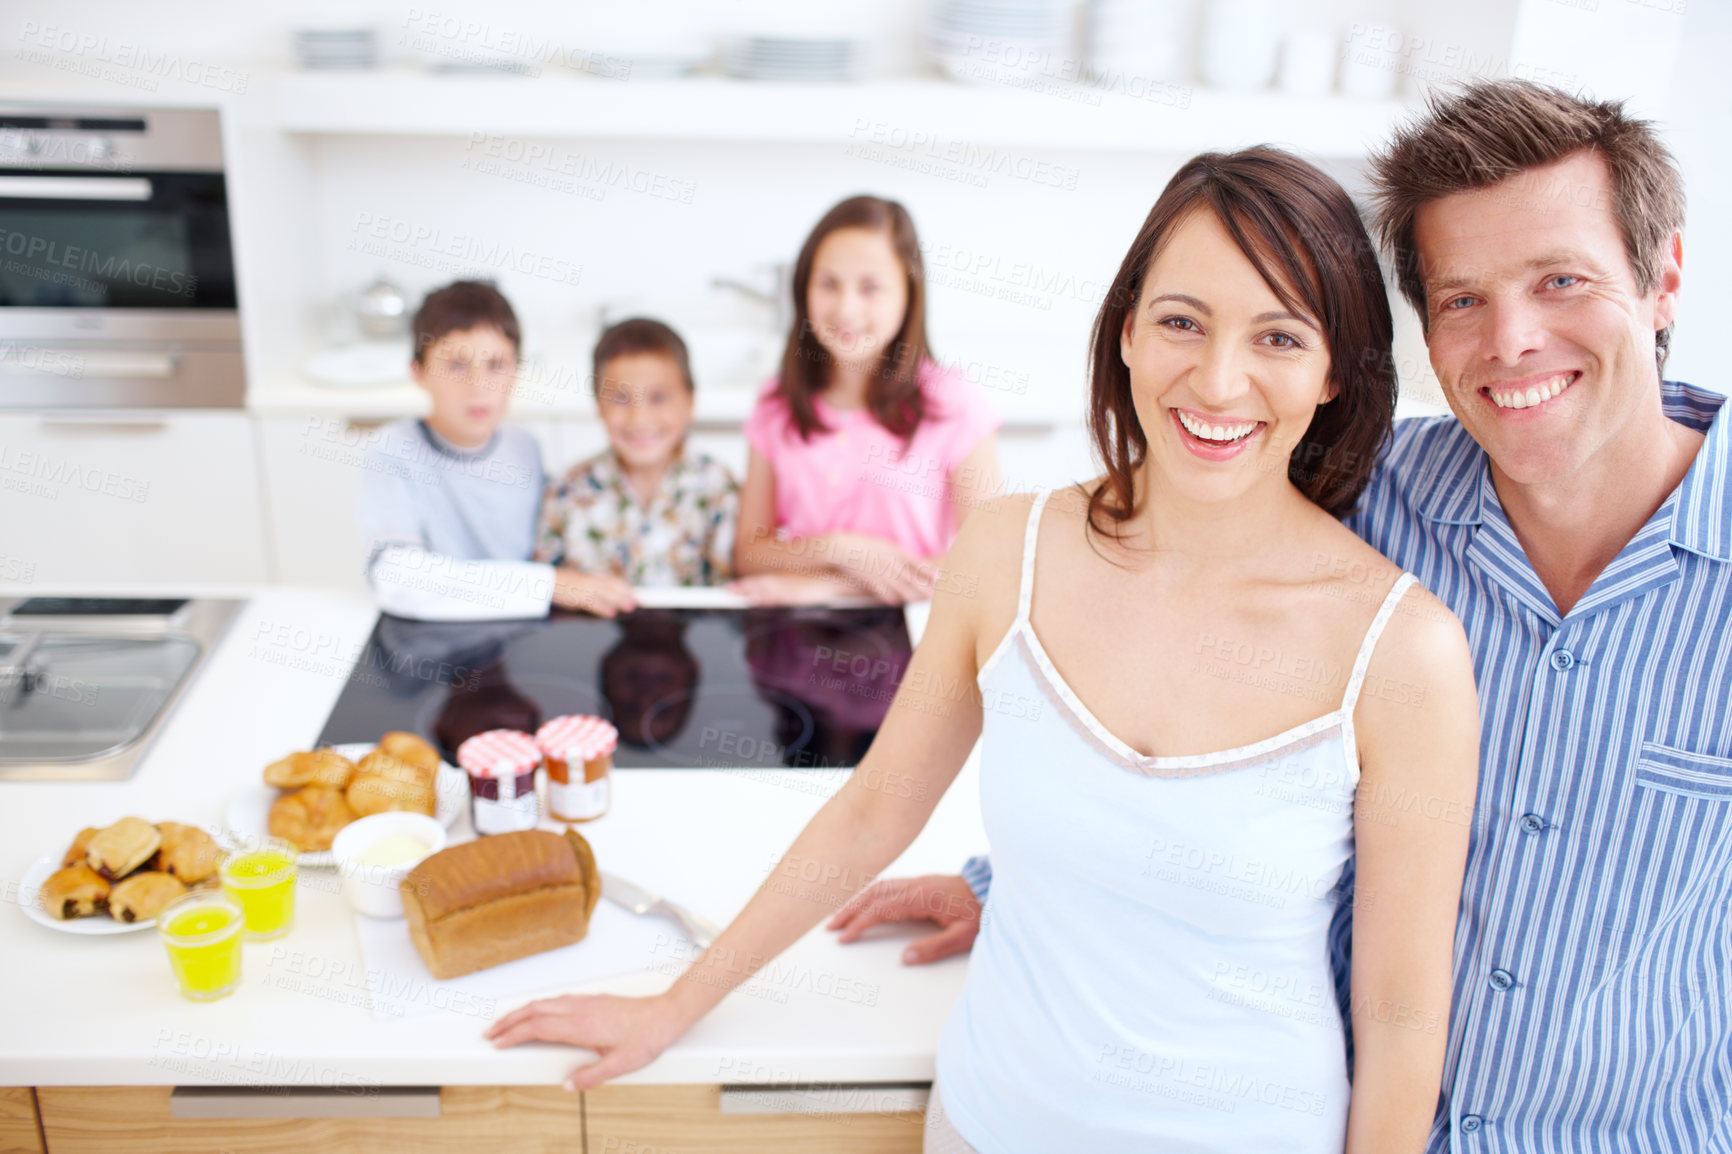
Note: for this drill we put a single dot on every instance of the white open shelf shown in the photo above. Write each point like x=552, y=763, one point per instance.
x=1178, y=119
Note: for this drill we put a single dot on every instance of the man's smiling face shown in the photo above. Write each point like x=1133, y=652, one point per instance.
x=1540, y=338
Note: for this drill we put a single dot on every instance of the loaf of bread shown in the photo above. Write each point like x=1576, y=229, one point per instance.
x=500, y=898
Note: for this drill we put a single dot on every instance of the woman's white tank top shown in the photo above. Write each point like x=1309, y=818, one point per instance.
x=1152, y=971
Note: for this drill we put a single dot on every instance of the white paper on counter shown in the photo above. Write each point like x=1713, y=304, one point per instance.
x=399, y=984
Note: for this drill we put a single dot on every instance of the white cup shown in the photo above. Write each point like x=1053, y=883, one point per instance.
x=1307, y=63
x=1241, y=39
x=372, y=889
x=1371, y=61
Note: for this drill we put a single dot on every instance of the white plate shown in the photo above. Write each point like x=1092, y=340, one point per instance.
x=249, y=812
x=362, y=366
x=30, y=901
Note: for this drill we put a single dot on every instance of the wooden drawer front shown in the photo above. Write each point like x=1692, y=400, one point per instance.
x=136, y=1119
x=688, y=1120
x=19, y=1132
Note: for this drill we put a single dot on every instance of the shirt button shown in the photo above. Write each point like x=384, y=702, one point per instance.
x=1501, y=980
x=1563, y=660
x=1471, y=1123
x=1532, y=823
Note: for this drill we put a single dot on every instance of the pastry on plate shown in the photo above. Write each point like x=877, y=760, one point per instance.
x=311, y=817
x=372, y=793
x=412, y=749
x=75, y=853
x=117, y=850
x=382, y=764
x=188, y=852
x=319, y=767
x=75, y=892
x=142, y=896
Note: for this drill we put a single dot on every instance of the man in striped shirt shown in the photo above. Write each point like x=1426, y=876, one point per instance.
x=1576, y=514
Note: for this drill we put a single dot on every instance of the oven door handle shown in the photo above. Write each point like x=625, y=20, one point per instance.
x=75, y=187
x=108, y=364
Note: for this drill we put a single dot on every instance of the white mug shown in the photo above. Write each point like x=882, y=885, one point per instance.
x=1307, y=63
x=1241, y=39
x=1371, y=61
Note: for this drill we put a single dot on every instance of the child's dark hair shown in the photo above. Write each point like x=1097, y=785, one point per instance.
x=642, y=335
x=464, y=304
x=893, y=396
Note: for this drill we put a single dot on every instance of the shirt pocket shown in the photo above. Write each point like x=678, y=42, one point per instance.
x=1682, y=772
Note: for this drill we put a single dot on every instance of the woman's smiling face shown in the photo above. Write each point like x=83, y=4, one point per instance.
x=1225, y=377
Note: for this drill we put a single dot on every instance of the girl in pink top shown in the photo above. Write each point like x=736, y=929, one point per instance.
x=866, y=455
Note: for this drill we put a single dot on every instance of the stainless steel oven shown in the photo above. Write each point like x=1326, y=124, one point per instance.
x=117, y=275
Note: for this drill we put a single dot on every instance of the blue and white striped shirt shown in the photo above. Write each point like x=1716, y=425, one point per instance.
x=1593, y=963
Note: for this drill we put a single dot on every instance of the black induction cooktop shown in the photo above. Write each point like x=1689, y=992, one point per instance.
x=687, y=688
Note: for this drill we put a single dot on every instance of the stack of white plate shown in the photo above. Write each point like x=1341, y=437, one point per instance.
x=792, y=58
x=336, y=47
x=1001, y=41
x=632, y=60
x=1140, y=40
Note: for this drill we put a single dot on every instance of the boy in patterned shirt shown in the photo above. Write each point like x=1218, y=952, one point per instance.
x=648, y=510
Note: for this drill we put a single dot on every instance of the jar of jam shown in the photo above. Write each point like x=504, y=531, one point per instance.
x=501, y=765
x=578, y=753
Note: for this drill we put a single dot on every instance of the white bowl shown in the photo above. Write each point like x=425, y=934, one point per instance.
x=372, y=889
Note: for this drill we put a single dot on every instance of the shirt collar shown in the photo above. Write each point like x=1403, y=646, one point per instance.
x=1702, y=518
x=456, y=452
x=608, y=471
x=1459, y=485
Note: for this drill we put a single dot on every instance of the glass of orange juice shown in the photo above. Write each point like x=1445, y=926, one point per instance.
x=202, y=931
x=261, y=878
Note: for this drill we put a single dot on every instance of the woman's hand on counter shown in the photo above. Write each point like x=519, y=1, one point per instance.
x=942, y=898
x=625, y=1033
x=602, y=594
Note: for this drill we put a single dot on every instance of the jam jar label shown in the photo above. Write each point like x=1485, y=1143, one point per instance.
x=577, y=801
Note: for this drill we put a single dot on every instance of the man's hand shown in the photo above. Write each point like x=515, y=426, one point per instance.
x=942, y=898
x=602, y=594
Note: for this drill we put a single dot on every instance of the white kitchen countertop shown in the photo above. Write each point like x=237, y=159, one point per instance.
x=103, y=1011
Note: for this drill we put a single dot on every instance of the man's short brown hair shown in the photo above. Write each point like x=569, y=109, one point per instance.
x=1492, y=130
x=461, y=305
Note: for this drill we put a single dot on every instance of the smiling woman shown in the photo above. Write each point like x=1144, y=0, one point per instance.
x=1302, y=236
x=1234, y=694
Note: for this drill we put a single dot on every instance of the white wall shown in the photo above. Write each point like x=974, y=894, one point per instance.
x=1698, y=124
x=751, y=204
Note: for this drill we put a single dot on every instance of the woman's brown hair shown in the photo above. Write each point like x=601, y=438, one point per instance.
x=893, y=396
x=1299, y=229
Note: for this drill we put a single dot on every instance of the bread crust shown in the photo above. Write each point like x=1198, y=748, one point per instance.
x=500, y=898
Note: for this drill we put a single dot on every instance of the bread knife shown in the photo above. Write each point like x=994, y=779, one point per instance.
x=640, y=901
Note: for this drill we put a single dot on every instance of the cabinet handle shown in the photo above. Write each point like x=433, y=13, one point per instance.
x=106, y=423
x=81, y=362
x=303, y=1102
x=827, y=1098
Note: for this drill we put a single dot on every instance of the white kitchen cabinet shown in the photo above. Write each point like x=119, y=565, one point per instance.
x=312, y=468
x=138, y=498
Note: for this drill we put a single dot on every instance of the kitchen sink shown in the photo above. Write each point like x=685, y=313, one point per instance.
x=87, y=683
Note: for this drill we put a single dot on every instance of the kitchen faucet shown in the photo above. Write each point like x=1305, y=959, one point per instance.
x=778, y=299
